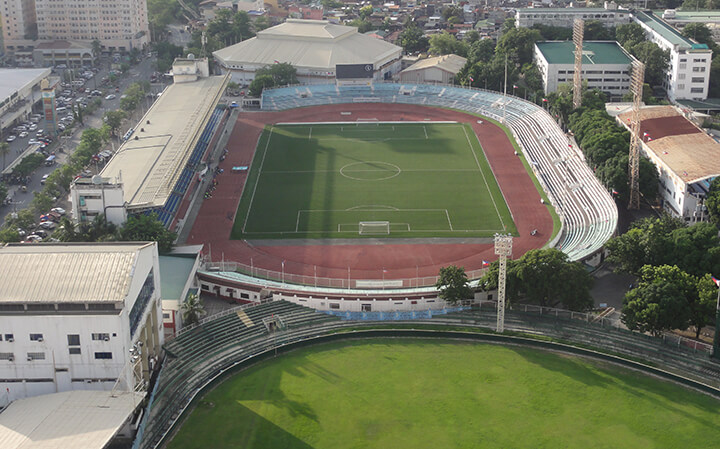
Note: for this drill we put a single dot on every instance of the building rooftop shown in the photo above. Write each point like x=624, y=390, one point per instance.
x=691, y=16
x=667, y=31
x=449, y=63
x=13, y=80
x=63, y=45
x=314, y=44
x=690, y=153
x=174, y=273
x=73, y=419
x=151, y=162
x=571, y=10
x=67, y=272
x=594, y=52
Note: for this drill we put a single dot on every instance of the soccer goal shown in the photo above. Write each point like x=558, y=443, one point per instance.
x=374, y=227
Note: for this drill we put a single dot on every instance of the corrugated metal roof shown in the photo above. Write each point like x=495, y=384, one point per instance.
x=312, y=44
x=448, y=63
x=74, y=273
x=73, y=419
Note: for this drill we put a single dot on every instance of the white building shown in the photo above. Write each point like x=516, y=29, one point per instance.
x=156, y=167
x=564, y=17
x=687, y=159
x=119, y=25
x=605, y=65
x=688, y=76
x=313, y=47
x=440, y=69
x=19, y=91
x=70, y=314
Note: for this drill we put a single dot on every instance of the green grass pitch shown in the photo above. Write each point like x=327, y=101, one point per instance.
x=322, y=180
x=440, y=394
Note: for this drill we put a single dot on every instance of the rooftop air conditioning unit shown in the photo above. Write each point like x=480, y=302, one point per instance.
x=40, y=339
x=11, y=339
x=11, y=358
x=29, y=359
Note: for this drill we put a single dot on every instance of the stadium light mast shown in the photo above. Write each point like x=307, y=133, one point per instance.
x=578, y=32
x=503, y=248
x=636, y=86
x=505, y=92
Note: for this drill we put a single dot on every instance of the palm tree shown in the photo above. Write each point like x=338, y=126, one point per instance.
x=96, y=49
x=4, y=151
x=192, y=309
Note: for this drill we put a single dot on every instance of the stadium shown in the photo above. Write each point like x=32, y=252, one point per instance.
x=351, y=293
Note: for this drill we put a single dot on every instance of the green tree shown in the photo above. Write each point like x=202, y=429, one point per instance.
x=481, y=51
x=96, y=48
x=148, y=228
x=656, y=61
x=713, y=201
x=553, y=33
x=9, y=235
x=412, y=40
x=703, y=309
x=660, y=301
x=261, y=23
x=699, y=32
x=365, y=12
x=4, y=151
x=3, y=193
x=259, y=83
x=472, y=36
x=114, y=120
x=518, y=44
x=192, y=310
x=594, y=30
x=629, y=35
x=363, y=25
x=452, y=284
x=282, y=73
x=445, y=43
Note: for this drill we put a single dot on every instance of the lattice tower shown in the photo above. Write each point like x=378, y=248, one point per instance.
x=636, y=87
x=503, y=248
x=578, y=31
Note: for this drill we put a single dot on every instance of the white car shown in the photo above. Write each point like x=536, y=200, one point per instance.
x=32, y=127
x=47, y=225
x=58, y=210
x=33, y=141
x=110, y=97
x=23, y=134
x=11, y=138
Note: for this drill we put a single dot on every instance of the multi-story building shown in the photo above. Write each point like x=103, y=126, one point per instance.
x=119, y=25
x=605, y=65
x=564, y=17
x=688, y=75
x=78, y=316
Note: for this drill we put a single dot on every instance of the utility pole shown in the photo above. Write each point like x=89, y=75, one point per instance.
x=578, y=31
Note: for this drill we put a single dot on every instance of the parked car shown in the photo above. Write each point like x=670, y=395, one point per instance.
x=110, y=97
x=23, y=134
x=40, y=232
x=32, y=127
x=44, y=178
x=58, y=210
x=40, y=133
x=11, y=138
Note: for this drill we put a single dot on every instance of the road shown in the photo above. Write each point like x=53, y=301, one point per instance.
x=178, y=37
x=140, y=72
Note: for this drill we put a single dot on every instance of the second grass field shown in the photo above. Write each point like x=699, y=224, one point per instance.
x=418, y=179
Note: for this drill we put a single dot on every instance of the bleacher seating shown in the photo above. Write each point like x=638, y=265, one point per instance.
x=587, y=211
x=203, y=351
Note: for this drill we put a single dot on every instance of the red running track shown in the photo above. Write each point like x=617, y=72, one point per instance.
x=215, y=220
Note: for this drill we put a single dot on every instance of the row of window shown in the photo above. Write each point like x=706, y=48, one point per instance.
x=595, y=72
x=31, y=356
x=73, y=339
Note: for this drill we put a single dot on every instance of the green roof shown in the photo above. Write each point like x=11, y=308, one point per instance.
x=174, y=273
x=698, y=16
x=594, y=52
x=664, y=29
x=572, y=10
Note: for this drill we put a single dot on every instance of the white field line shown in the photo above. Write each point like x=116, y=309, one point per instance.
x=257, y=179
x=448, y=217
x=487, y=186
x=310, y=134
x=425, y=129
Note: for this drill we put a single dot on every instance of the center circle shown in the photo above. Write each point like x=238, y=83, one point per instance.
x=370, y=171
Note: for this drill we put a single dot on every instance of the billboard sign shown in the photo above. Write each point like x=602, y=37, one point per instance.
x=354, y=71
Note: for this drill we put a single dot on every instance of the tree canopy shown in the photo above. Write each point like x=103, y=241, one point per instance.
x=545, y=277
x=445, y=43
x=412, y=39
x=452, y=284
x=279, y=74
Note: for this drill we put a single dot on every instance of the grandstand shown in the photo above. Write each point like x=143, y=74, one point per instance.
x=204, y=353
x=587, y=211
x=152, y=171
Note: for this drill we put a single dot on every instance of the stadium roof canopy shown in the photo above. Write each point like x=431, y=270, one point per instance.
x=151, y=162
x=13, y=80
x=67, y=272
x=690, y=153
x=73, y=419
x=448, y=63
x=308, y=44
x=594, y=52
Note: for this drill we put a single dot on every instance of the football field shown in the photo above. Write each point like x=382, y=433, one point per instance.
x=343, y=180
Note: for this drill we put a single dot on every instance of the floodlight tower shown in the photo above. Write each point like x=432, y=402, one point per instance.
x=503, y=248
x=578, y=32
x=636, y=86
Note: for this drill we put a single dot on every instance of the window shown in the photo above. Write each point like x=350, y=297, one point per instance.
x=696, y=90
x=681, y=86
x=101, y=337
x=683, y=66
x=698, y=79
x=103, y=355
x=9, y=337
x=143, y=298
x=36, y=337
x=334, y=305
x=74, y=351
x=73, y=340
x=681, y=76
x=7, y=356
x=166, y=316
x=35, y=356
